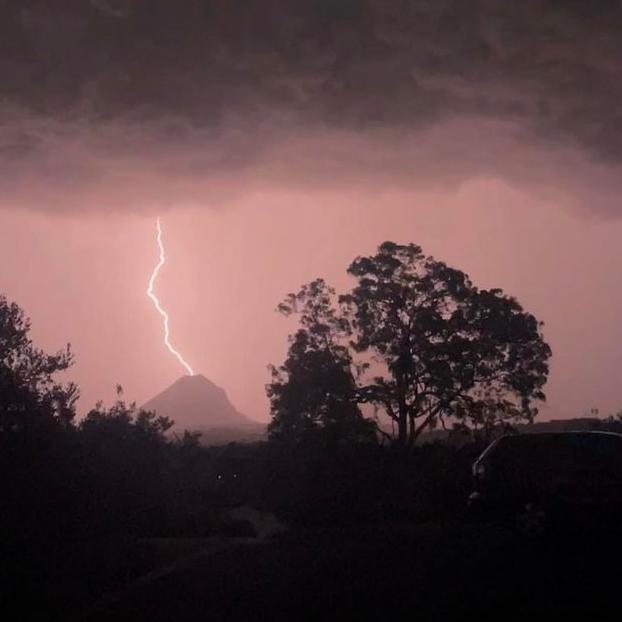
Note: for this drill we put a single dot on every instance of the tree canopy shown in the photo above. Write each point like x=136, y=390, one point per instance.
x=30, y=395
x=415, y=339
x=315, y=389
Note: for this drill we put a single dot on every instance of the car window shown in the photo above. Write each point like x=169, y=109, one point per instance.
x=549, y=453
x=598, y=452
x=535, y=451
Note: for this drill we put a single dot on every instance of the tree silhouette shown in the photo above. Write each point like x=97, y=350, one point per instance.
x=127, y=458
x=313, y=394
x=124, y=421
x=448, y=348
x=30, y=397
x=436, y=347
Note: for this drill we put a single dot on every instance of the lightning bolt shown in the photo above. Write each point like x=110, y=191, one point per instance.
x=156, y=302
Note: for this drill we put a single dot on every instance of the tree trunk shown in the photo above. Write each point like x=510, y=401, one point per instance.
x=402, y=411
x=402, y=429
x=413, y=433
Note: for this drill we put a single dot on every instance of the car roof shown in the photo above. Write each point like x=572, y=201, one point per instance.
x=534, y=439
x=521, y=436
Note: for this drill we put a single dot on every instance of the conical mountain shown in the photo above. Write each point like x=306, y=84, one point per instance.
x=195, y=403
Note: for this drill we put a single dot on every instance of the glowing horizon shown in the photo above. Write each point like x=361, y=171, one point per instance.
x=156, y=302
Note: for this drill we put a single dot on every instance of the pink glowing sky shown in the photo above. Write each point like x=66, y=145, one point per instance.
x=83, y=279
x=277, y=141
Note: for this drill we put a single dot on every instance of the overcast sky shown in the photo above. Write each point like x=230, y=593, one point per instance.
x=277, y=140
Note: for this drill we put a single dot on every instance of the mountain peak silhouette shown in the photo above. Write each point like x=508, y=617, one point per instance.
x=196, y=403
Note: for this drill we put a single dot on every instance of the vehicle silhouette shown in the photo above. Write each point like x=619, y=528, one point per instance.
x=536, y=482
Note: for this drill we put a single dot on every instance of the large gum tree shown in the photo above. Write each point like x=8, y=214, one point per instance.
x=417, y=340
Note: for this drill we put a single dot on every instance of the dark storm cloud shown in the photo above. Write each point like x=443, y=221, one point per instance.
x=122, y=91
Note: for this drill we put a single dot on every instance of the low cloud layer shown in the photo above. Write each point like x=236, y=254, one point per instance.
x=131, y=104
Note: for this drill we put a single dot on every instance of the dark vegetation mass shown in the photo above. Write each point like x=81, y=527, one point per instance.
x=412, y=353
x=416, y=341
x=412, y=347
x=387, y=394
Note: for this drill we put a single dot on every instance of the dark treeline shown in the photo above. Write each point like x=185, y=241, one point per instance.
x=414, y=341
x=116, y=473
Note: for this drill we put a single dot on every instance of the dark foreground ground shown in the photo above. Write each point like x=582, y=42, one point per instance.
x=397, y=573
